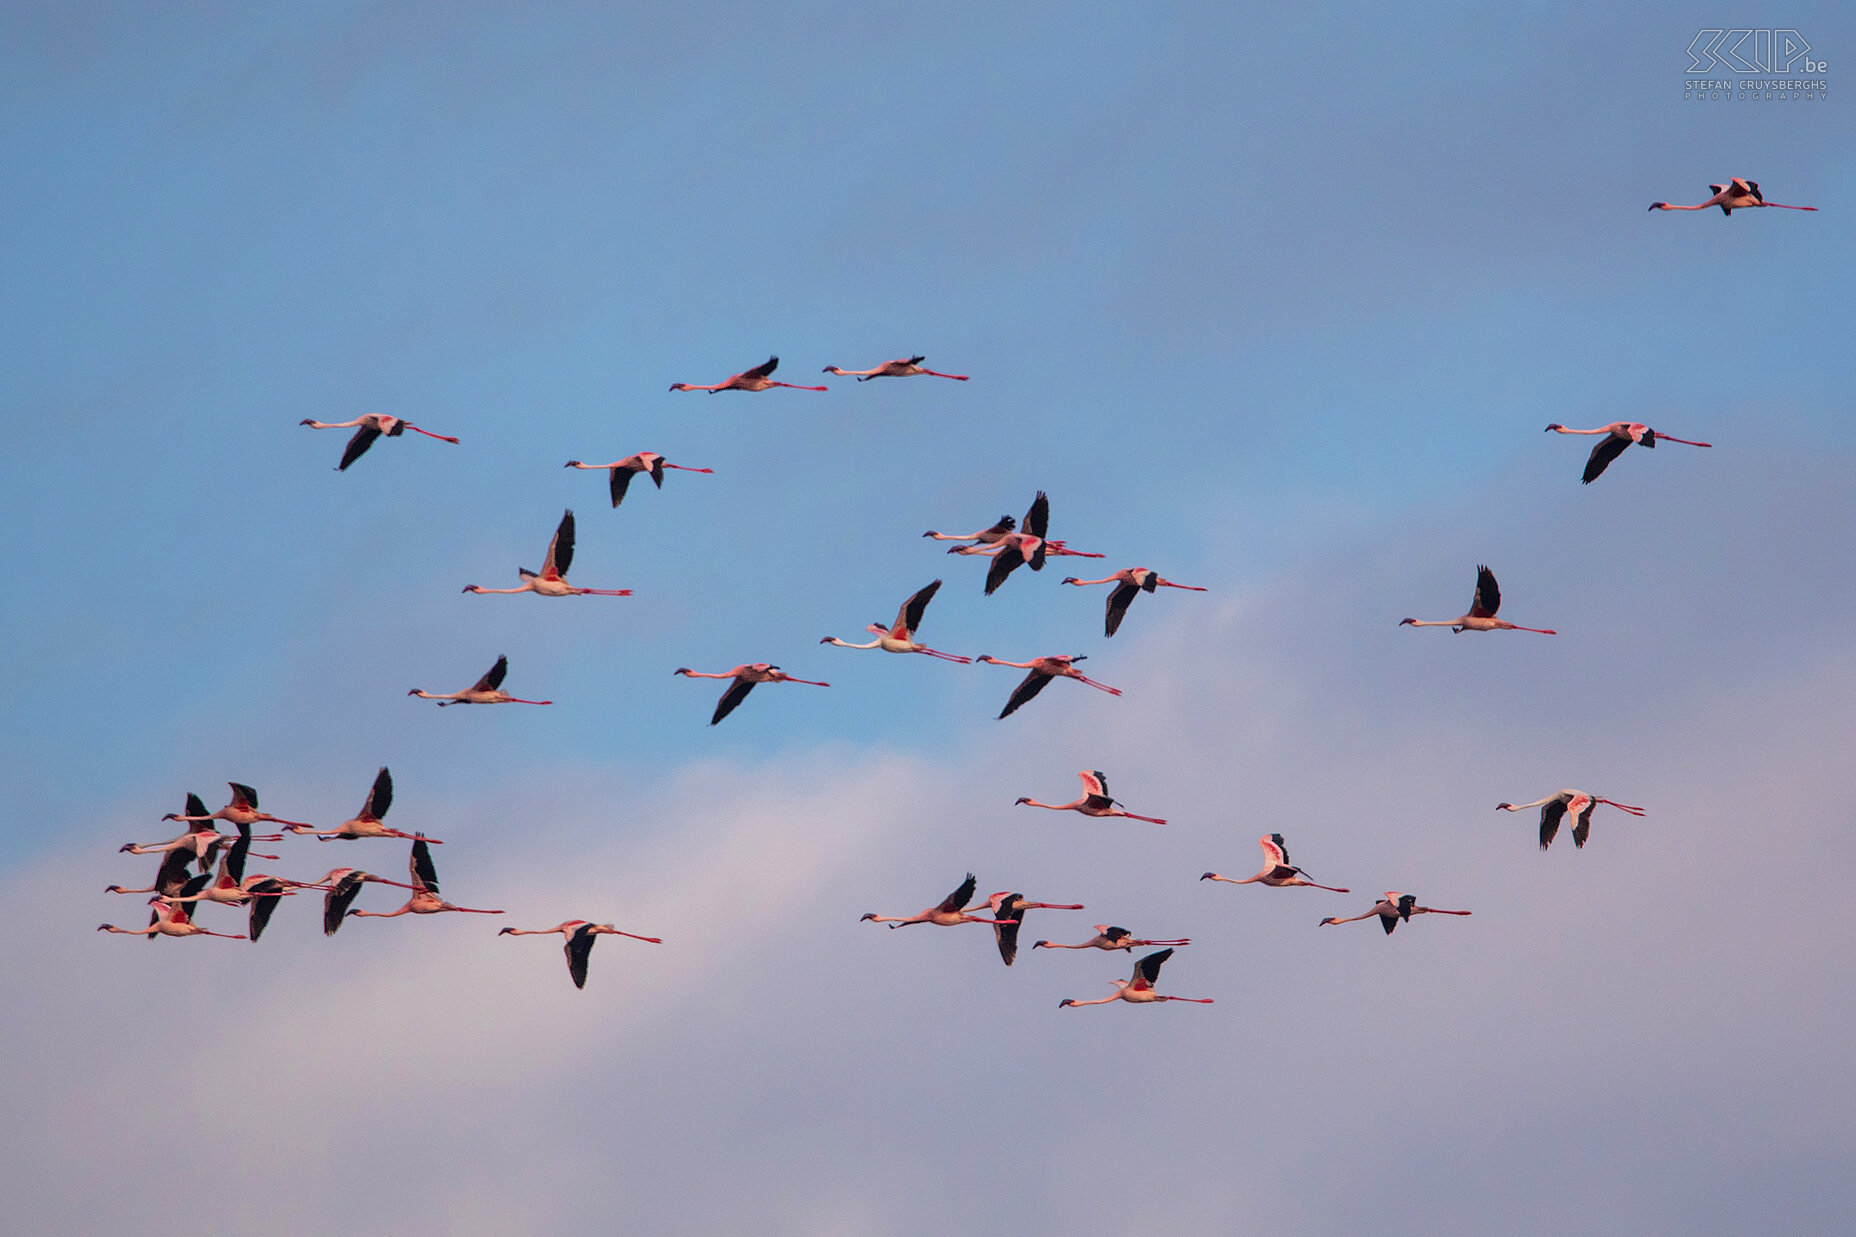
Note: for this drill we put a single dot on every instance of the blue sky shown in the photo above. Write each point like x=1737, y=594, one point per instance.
x=1275, y=304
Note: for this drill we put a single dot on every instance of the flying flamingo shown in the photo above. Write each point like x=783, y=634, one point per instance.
x=242, y=811
x=893, y=369
x=1737, y=194
x=579, y=944
x=373, y=425
x=1554, y=809
x=366, y=823
x=624, y=470
x=949, y=911
x=168, y=919
x=344, y=885
x=1618, y=436
x=1011, y=550
x=1392, y=908
x=1095, y=800
x=171, y=878
x=1110, y=937
x=1043, y=670
x=1276, y=870
x=425, y=899
x=1128, y=582
x=899, y=637
x=745, y=678
x=1140, y=989
x=747, y=380
x=552, y=582
x=985, y=537
x=1481, y=616
x=486, y=690
x=1010, y=909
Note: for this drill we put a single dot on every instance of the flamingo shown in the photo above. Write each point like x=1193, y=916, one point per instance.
x=1095, y=800
x=745, y=678
x=373, y=425
x=985, y=537
x=172, y=876
x=486, y=690
x=1481, y=616
x=908, y=368
x=1276, y=870
x=579, y=943
x=1618, y=436
x=747, y=380
x=425, y=899
x=366, y=823
x=1736, y=194
x=1128, y=582
x=552, y=582
x=344, y=885
x=899, y=637
x=624, y=470
x=242, y=811
x=1108, y=936
x=1010, y=910
x=1392, y=908
x=1140, y=989
x=949, y=911
x=1043, y=670
x=1012, y=550
x=168, y=919
x=1554, y=809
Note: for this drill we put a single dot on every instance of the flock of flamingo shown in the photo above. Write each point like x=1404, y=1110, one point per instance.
x=203, y=865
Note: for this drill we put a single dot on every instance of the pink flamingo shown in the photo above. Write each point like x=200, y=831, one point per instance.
x=552, y=582
x=624, y=470
x=366, y=823
x=1392, y=908
x=755, y=379
x=1555, y=808
x=242, y=811
x=908, y=368
x=1618, y=436
x=1481, y=616
x=899, y=637
x=745, y=678
x=425, y=899
x=486, y=690
x=1129, y=582
x=1140, y=989
x=1095, y=801
x=948, y=912
x=1110, y=937
x=1736, y=194
x=1043, y=670
x=985, y=537
x=373, y=425
x=168, y=919
x=578, y=946
x=1276, y=870
x=1009, y=909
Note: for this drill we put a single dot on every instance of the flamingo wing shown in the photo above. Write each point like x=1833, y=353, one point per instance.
x=493, y=677
x=424, y=874
x=579, y=948
x=957, y=900
x=909, y=617
x=1147, y=970
x=1608, y=449
x=1006, y=934
x=1033, y=684
x=243, y=796
x=173, y=872
x=357, y=446
x=1004, y=563
x=622, y=481
x=730, y=698
x=561, y=549
x=1037, y=519
x=1551, y=814
x=340, y=898
x=380, y=798
x=657, y=473
x=1274, y=852
x=1112, y=934
x=196, y=806
x=235, y=858
x=267, y=894
x=1582, y=824
x=1118, y=603
x=1488, y=595
x=763, y=370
